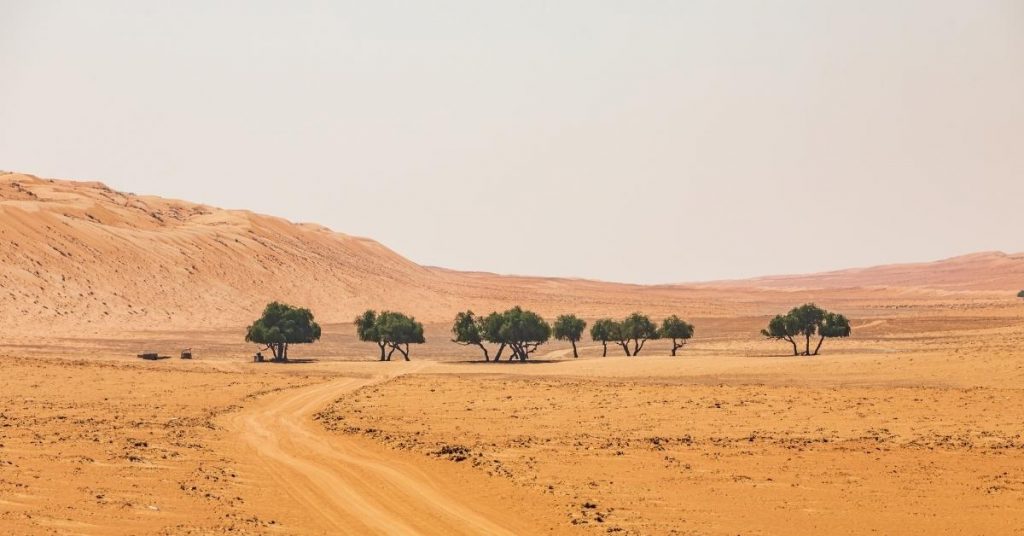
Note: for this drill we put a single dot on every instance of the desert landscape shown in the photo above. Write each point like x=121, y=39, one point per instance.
x=911, y=425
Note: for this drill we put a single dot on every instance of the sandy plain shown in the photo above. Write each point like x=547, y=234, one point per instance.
x=911, y=426
x=905, y=428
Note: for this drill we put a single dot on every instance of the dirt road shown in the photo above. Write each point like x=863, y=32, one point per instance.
x=342, y=485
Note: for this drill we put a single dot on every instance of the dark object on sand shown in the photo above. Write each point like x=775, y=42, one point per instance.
x=186, y=353
x=150, y=355
x=258, y=358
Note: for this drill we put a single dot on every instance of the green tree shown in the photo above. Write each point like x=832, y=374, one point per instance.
x=569, y=328
x=808, y=318
x=490, y=330
x=281, y=325
x=676, y=329
x=468, y=330
x=638, y=328
x=1020, y=294
x=806, y=321
x=605, y=330
x=523, y=331
x=366, y=330
x=833, y=325
x=399, y=331
x=783, y=327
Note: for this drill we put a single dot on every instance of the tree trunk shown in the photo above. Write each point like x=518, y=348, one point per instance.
x=625, y=347
x=574, y=353
x=807, y=348
x=637, y=346
x=674, y=347
x=497, y=356
x=487, y=356
x=604, y=353
x=381, y=345
x=793, y=342
x=818, y=347
x=393, y=348
x=405, y=353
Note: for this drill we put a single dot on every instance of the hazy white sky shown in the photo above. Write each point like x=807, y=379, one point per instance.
x=633, y=141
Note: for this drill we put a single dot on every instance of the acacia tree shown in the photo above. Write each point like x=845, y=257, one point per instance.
x=523, y=331
x=806, y=321
x=637, y=328
x=399, y=331
x=833, y=325
x=366, y=330
x=604, y=330
x=467, y=330
x=389, y=329
x=569, y=328
x=676, y=329
x=783, y=327
x=490, y=330
x=281, y=325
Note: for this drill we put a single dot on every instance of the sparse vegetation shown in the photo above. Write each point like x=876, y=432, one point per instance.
x=676, y=329
x=637, y=328
x=1020, y=294
x=389, y=329
x=467, y=330
x=521, y=330
x=806, y=321
x=366, y=330
x=282, y=325
x=605, y=330
x=569, y=328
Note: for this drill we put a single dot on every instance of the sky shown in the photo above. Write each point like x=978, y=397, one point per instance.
x=640, y=141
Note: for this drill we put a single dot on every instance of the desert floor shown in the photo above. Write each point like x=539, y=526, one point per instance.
x=912, y=426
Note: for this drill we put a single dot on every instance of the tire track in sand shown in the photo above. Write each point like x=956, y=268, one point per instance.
x=340, y=485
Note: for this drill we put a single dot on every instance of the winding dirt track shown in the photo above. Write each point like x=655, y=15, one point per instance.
x=342, y=486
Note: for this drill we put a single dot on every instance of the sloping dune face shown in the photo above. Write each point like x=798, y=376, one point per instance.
x=77, y=255
x=81, y=258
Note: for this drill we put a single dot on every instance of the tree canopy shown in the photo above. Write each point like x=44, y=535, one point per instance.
x=638, y=328
x=1020, y=294
x=520, y=330
x=676, y=329
x=806, y=321
x=569, y=328
x=467, y=330
x=281, y=325
x=366, y=330
x=605, y=330
x=389, y=329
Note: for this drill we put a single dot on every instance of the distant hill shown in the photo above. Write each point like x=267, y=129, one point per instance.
x=987, y=271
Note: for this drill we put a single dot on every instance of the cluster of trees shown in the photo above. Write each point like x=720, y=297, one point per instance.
x=521, y=331
x=807, y=321
x=518, y=330
x=390, y=330
x=636, y=329
x=281, y=325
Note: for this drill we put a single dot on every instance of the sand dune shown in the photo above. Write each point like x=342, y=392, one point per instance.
x=83, y=259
